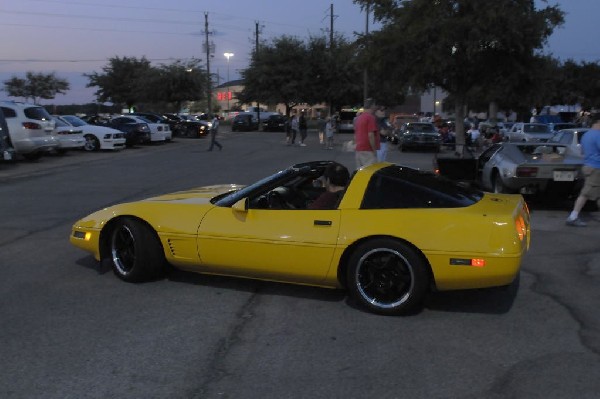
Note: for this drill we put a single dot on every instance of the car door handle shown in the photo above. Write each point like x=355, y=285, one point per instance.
x=323, y=223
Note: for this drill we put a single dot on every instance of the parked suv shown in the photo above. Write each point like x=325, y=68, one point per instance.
x=30, y=128
x=7, y=152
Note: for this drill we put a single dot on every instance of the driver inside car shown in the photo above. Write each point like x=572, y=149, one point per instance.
x=336, y=179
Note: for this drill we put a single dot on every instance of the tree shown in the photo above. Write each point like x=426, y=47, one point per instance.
x=334, y=73
x=462, y=46
x=36, y=86
x=277, y=73
x=579, y=83
x=122, y=81
x=175, y=83
x=291, y=71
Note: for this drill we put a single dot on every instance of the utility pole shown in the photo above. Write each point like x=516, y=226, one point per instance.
x=209, y=82
x=331, y=17
x=365, y=72
x=256, y=56
x=331, y=26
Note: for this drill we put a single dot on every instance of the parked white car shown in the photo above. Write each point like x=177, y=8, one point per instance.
x=69, y=137
x=529, y=132
x=30, y=128
x=97, y=137
x=158, y=131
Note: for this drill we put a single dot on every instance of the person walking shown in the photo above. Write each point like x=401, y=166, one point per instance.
x=288, y=131
x=302, y=125
x=590, y=145
x=383, y=135
x=294, y=128
x=329, y=132
x=366, y=136
x=321, y=125
x=214, y=129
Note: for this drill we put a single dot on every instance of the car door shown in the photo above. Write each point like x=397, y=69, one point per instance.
x=276, y=244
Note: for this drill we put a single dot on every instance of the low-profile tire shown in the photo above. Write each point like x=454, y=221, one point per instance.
x=388, y=277
x=91, y=143
x=135, y=251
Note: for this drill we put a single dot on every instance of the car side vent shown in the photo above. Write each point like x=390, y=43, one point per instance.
x=172, y=247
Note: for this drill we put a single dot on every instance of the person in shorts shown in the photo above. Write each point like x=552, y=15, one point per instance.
x=590, y=145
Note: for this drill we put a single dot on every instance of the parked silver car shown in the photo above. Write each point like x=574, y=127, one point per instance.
x=529, y=132
x=526, y=168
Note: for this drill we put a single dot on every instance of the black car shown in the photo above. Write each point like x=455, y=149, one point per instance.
x=418, y=135
x=244, y=122
x=190, y=126
x=275, y=123
x=158, y=118
x=135, y=133
x=7, y=152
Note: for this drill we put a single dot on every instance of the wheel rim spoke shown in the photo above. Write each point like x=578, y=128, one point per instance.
x=384, y=278
x=123, y=249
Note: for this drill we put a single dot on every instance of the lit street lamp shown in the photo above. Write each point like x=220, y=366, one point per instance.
x=228, y=56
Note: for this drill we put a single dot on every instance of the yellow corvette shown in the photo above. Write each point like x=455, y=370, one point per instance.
x=395, y=234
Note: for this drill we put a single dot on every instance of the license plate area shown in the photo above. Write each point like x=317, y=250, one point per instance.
x=564, y=175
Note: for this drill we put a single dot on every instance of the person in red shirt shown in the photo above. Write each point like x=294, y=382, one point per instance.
x=366, y=136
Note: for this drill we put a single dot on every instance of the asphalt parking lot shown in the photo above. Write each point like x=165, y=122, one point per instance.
x=70, y=329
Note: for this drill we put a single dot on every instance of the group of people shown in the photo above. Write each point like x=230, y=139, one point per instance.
x=297, y=125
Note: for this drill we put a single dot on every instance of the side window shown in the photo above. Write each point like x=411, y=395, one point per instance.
x=397, y=188
x=9, y=112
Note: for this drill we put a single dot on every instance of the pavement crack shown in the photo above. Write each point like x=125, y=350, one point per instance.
x=588, y=328
x=217, y=368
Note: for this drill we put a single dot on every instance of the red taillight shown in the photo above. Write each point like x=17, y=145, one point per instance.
x=478, y=262
x=31, y=125
x=520, y=227
x=527, y=171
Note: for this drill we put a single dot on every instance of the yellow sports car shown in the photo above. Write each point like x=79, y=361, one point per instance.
x=394, y=234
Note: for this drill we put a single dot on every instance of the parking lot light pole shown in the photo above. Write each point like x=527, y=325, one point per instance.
x=228, y=56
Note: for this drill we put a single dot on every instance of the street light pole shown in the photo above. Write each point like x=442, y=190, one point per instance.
x=228, y=56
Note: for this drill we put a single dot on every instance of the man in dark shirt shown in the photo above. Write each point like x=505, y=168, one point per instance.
x=336, y=178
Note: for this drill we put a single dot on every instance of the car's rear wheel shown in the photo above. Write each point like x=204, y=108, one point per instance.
x=135, y=251
x=387, y=277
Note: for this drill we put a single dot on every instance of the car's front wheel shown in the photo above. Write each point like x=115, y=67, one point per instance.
x=135, y=251
x=91, y=143
x=387, y=277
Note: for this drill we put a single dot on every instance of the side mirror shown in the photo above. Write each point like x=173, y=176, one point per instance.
x=241, y=205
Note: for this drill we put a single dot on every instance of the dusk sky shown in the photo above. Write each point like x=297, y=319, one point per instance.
x=72, y=37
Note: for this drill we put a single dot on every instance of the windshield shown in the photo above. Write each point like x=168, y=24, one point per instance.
x=73, y=120
x=425, y=128
x=235, y=196
x=60, y=122
x=531, y=128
